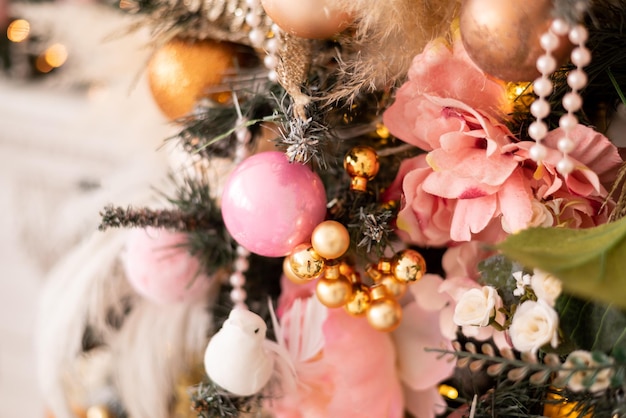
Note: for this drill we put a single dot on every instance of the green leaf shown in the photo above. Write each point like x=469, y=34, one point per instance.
x=590, y=262
x=592, y=326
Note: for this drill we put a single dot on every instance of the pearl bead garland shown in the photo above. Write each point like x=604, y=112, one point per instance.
x=264, y=34
x=238, y=279
x=543, y=87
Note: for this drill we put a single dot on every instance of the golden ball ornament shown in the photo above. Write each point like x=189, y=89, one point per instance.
x=305, y=262
x=182, y=71
x=360, y=300
x=384, y=313
x=503, y=37
x=361, y=164
x=556, y=406
x=312, y=19
x=99, y=411
x=334, y=293
x=330, y=239
x=288, y=272
x=395, y=288
x=408, y=266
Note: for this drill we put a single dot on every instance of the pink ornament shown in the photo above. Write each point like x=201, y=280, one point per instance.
x=313, y=19
x=160, y=269
x=270, y=205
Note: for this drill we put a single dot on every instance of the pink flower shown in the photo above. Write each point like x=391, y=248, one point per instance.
x=161, y=269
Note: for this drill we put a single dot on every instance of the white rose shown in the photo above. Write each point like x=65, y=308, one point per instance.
x=546, y=286
x=476, y=307
x=576, y=380
x=541, y=217
x=534, y=324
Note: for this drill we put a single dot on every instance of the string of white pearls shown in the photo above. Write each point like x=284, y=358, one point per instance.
x=263, y=35
x=543, y=87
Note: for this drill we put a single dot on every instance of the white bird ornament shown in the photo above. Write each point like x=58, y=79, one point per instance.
x=236, y=358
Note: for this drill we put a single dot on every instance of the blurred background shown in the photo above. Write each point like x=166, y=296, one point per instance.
x=78, y=130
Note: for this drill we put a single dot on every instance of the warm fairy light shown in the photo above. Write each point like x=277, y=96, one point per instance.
x=382, y=131
x=56, y=55
x=42, y=65
x=514, y=90
x=18, y=30
x=448, y=391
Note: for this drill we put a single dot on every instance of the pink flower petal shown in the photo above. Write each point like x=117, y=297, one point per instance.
x=472, y=216
x=514, y=199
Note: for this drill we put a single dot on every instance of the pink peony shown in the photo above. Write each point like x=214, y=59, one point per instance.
x=160, y=269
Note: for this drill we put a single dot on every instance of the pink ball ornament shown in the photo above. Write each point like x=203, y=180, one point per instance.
x=270, y=205
x=160, y=269
x=312, y=19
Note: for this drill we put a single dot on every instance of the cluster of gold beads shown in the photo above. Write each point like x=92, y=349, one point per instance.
x=339, y=285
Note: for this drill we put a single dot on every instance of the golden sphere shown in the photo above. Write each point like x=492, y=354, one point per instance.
x=361, y=164
x=502, y=37
x=408, y=266
x=98, y=411
x=334, y=293
x=330, y=239
x=384, y=314
x=182, y=71
x=359, y=303
x=288, y=272
x=305, y=262
x=395, y=288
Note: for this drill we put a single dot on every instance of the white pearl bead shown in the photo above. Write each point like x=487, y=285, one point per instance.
x=270, y=61
x=538, y=152
x=537, y=130
x=253, y=19
x=568, y=122
x=272, y=76
x=540, y=108
x=581, y=56
x=242, y=134
x=559, y=26
x=572, y=102
x=565, y=166
x=257, y=37
x=271, y=45
x=240, y=154
x=542, y=86
x=241, y=264
x=577, y=79
x=578, y=35
x=546, y=64
x=237, y=279
x=253, y=3
x=549, y=41
x=566, y=145
x=238, y=295
x=242, y=252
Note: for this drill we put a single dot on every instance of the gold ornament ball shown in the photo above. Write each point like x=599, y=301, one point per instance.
x=182, y=71
x=312, y=19
x=395, y=288
x=98, y=411
x=557, y=406
x=305, y=262
x=408, y=266
x=361, y=164
x=502, y=37
x=384, y=314
x=334, y=293
x=360, y=300
x=330, y=239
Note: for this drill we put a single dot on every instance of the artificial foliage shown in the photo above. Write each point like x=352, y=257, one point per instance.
x=443, y=132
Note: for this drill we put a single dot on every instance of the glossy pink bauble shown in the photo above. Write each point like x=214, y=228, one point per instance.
x=160, y=268
x=312, y=19
x=270, y=205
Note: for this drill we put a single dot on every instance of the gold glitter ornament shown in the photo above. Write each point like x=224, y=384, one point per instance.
x=408, y=266
x=359, y=302
x=181, y=72
x=330, y=239
x=395, y=288
x=557, y=406
x=384, y=313
x=305, y=262
x=362, y=165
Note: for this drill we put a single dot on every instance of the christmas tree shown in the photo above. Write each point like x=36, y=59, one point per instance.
x=379, y=209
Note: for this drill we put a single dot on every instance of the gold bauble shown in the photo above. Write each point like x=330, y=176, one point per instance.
x=362, y=165
x=98, y=411
x=408, y=266
x=360, y=300
x=305, y=262
x=182, y=71
x=330, y=239
x=334, y=293
x=502, y=37
x=384, y=313
x=558, y=407
x=395, y=288
x=288, y=272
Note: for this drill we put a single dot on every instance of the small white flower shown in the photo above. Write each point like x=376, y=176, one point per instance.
x=576, y=380
x=534, y=324
x=541, y=217
x=546, y=286
x=522, y=280
x=476, y=307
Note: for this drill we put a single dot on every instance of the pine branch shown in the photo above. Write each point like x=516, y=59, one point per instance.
x=119, y=217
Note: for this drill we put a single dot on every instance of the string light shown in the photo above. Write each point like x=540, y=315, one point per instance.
x=18, y=30
x=448, y=391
